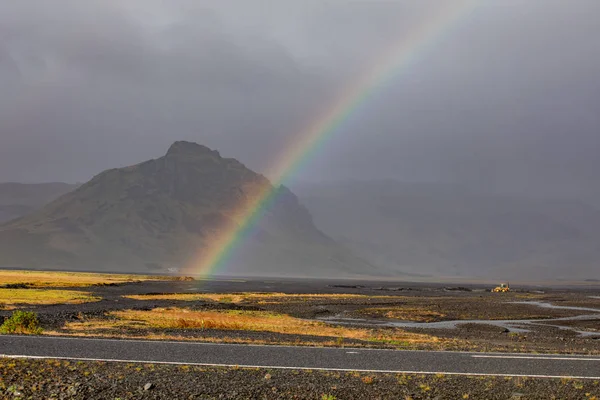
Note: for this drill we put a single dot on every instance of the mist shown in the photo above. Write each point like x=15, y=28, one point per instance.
x=503, y=100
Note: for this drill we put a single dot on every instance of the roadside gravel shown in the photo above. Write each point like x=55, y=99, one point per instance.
x=57, y=379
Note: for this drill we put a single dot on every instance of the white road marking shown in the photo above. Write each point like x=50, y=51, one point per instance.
x=352, y=352
x=382, y=371
x=510, y=357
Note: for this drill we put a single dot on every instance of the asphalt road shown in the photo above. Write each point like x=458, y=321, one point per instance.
x=427, y=362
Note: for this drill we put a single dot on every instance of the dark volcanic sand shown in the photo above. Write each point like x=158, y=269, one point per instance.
x=459, y=302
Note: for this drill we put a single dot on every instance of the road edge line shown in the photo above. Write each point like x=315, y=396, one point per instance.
x=295, y=368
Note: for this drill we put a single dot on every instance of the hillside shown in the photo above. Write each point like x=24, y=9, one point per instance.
x=447, y=230
x=163, y=213
x=18, y=199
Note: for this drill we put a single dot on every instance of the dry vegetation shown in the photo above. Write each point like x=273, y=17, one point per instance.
x=408, y=308
x=42, y=279
x=258, y=298
x=11, y=298
x=169, y=319
x=281, y=318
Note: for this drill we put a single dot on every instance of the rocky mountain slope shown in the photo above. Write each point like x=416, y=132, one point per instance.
x=164, y=214
x=18, y=199
x=446, y=230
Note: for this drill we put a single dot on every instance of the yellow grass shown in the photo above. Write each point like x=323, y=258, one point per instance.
x=234, y=320
x=11, y=297
x=71, y=279
x=237, y=320
x=180, y=338
x=437, y=345
x=260, y=298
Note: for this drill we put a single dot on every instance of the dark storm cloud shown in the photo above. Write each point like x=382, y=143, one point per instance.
x=506, y=98
x=97, y=86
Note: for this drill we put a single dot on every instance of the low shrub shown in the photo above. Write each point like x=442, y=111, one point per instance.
x=21, y=322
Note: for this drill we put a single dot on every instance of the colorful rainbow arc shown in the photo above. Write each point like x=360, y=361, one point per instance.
x=320, y=131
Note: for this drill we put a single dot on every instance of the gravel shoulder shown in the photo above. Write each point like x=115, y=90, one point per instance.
x=43, y=379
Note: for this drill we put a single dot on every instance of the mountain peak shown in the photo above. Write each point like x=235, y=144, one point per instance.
x=189, y=149
x=164, y=213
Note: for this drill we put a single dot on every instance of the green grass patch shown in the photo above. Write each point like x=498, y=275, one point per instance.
x=21, y=322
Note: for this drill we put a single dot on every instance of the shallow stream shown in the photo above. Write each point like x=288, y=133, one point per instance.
x=514, y=325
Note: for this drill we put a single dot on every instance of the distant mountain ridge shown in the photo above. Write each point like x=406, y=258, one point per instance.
x=18, y=199
x=163, y=213
x=447, y=230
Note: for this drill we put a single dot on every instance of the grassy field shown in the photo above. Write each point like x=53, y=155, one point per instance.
x=169, y=320
x=10, y=298
x=253, y=297
x=407, y=308
x=180, y=318
x=361, y=318
x=42, y=279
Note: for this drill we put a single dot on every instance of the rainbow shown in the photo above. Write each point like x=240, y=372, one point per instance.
x=221, y=248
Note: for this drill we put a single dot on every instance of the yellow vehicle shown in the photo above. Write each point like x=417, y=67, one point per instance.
x=503, y=288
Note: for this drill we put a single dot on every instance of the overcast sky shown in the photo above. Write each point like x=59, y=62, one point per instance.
x=507, y=97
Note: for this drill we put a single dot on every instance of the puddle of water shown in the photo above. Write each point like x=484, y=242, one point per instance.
x=594, y=297
x=512, y=325
x=586, y=333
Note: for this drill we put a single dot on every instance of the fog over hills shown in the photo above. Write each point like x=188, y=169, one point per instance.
x=163, y=213
x=498, y=100
x=18, y=199
x=449, y=230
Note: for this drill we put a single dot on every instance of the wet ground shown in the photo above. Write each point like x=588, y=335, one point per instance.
x=563, y=320
x=509, y=325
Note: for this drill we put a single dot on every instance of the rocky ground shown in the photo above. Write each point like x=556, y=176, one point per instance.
x=377, y=302
x=46, y=379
